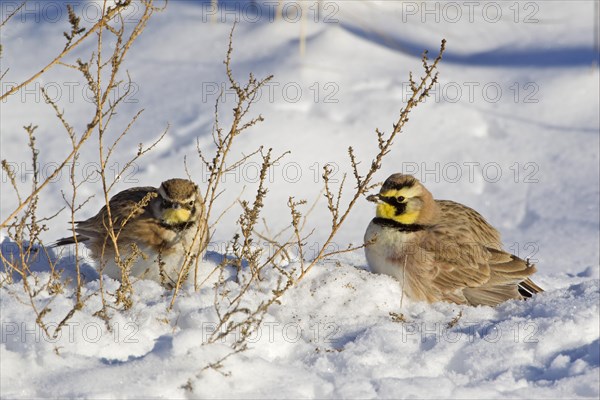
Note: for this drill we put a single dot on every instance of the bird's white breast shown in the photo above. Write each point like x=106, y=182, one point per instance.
x=386, y=252
x=147, y=266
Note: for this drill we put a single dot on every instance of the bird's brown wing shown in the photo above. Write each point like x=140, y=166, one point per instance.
x=468, y=223
x=471, y=263
x=125, y=206
x=507, y=274
x=459, y=263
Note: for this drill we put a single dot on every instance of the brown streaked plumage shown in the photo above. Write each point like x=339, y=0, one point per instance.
x=441, y=250
x=164, y=223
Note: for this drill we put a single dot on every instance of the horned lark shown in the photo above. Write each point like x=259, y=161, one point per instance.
x=440, y=250
x=164, y=224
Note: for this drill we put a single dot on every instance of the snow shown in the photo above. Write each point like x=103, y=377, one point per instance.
x=335, y=334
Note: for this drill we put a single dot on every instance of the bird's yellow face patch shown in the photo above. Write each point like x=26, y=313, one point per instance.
x=401, y=209
x=173, y=216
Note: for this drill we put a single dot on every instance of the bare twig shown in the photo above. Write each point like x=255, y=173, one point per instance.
x=419, y=93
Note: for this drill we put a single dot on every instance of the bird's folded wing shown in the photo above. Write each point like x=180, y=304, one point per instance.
x=508, y=269
x=130, y=204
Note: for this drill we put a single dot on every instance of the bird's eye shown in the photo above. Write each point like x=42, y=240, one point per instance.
x=191, y=203
x=400, y=199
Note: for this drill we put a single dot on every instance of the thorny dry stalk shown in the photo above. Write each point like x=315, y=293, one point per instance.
x=8, y=18
x=108, y=15
x=110, y=22
x=246, y=95
x=364, y=183
x=297, y=227
x=105, y=111
x=245, y=259
x=27, y=226
x=229, y=311
x=243, y=247
x=223, y=140
x=250, y=216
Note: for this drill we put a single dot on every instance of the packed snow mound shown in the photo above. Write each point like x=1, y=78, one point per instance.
x=345, y=332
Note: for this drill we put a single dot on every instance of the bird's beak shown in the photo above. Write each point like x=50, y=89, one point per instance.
x=373, y=198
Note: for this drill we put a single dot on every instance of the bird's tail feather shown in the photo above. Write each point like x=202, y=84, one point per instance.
x=527, y=288
x=69, y=240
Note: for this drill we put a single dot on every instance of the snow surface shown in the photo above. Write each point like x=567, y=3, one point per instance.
x=333, y=335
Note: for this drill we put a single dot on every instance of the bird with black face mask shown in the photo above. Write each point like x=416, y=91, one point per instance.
x=163, y=223
x=441, y=250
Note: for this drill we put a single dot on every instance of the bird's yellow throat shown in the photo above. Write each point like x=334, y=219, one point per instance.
x=174, y=216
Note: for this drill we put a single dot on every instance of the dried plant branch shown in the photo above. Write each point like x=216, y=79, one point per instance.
x=419, y=93
x=245, y=258
x=12, y=14
x=109, y=13
x=104, y=112
x=75, y=28
x=9, y=17
x=22, y=225
x=119, y=53
x=245, y=97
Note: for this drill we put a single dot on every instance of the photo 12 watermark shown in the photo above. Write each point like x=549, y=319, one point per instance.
x=291, y=11
x=50, y=11
x=517, y=332
x=527, y=172
x=68, y=92
x=522, y=172
x=54, y=172
x=517, y=12
x=476, y=92
x=276, y=332
x=276, y=92
x=70, y=332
